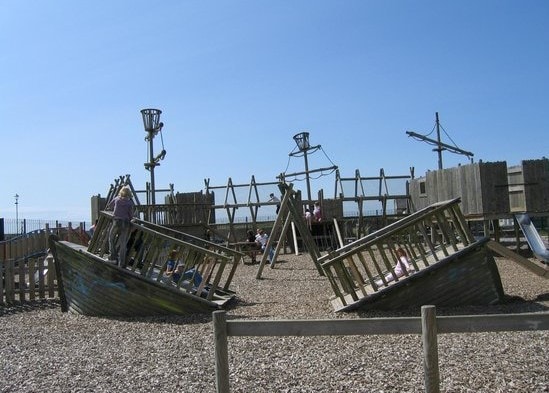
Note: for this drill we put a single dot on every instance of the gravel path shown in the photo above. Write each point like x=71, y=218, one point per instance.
x=45, y=350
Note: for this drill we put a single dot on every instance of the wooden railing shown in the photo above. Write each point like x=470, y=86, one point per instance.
x=429, y=326
x=427, y=236
x=150, y=244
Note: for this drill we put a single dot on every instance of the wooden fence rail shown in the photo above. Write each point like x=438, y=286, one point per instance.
x=429, y=326
x=26, y=267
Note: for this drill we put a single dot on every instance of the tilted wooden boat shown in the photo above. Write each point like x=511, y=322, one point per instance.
x=89, y=284
x=449, y=267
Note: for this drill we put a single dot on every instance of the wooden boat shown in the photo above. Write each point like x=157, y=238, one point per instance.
x=89, y=284
x=468, y=277
x=449, y=267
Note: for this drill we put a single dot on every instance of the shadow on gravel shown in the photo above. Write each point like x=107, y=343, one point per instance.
x=19, y=307
x=509, y=305
x=543, y=297
x=30, y=306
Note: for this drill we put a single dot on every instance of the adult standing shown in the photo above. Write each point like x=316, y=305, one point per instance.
x=275, y=199
x=123, y=212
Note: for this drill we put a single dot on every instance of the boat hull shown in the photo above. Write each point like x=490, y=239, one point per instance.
x=90, y=285
x=468, y=277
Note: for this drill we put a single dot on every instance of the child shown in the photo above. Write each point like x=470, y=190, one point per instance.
x=402, y=266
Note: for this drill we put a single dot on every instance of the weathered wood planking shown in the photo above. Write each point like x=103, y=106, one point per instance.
x=92, y=286
x=469, y=276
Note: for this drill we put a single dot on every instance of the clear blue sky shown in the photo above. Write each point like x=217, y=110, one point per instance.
x=237, y=79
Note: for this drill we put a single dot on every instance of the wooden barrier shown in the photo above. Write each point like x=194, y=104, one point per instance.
x=429, y=326
x=26, y=267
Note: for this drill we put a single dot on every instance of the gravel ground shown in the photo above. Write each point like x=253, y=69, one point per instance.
x=45, y=350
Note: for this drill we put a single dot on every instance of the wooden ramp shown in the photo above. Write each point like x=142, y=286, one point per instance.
x=450, y=267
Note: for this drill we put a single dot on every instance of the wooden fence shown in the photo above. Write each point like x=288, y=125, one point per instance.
x=26, y=267
x=429, y=326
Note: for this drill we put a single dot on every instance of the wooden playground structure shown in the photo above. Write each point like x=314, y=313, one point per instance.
x=449, y=266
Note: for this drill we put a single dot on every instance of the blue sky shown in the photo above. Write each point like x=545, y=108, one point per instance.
x=237, y=79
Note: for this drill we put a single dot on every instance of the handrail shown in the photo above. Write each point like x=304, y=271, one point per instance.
x=149, y=246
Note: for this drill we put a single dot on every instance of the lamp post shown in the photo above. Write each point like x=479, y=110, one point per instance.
x=17, y=212
x=153, y=125
x=302, y=141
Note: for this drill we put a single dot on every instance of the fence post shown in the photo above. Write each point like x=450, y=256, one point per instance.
x=430, y=349
x=221, y=351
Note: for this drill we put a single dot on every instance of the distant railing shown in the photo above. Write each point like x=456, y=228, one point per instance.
x=13, y=227
x=429, y=326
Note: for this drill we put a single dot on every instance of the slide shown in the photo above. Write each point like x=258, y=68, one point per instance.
x=533, y=237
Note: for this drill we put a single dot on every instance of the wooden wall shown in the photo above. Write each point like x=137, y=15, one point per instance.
x=194, y=207
x=536, y=187
x=332, y=208
x=482, y=188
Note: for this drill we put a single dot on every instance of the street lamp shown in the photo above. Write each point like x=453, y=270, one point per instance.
x=17, y=212
x=302, y=141
x=153, y=125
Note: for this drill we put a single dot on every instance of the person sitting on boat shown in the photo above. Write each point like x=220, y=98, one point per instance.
x=402, y=267
x=191, y=274
x=177, y=271
x=170, y=263
x=123, y=212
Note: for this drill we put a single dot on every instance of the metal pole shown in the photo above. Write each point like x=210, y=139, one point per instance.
x=17, y=212
x=152, y=165
x=439, y=146
x=307, y=178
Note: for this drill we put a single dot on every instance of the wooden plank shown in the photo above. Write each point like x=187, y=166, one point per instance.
x=2, y=280
x=32, y=284
x=534, y=267
x=22, y=278
x=430, y=349
x=50, y=277
x=389, y=326
x=357, y=277
x=10, y=282
x=221, y=352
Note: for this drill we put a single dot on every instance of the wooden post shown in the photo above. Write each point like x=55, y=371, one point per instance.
x=221, y=352
x=430, y=349
x=294, y=235
x=338, y=232
x=282, y=237
x=486, y=227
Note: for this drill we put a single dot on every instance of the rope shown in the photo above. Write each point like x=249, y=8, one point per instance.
x=449, y=137
x=327, y=156
x=162, y=139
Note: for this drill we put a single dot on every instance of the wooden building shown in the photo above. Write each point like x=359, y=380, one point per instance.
x=481, y=186
x=488, y=190
x=529, y=187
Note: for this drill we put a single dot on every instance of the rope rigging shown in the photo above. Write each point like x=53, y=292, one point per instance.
x=437, y=142
x=303, y=153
